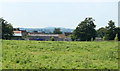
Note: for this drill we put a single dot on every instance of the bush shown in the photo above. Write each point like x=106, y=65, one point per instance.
x=103, y=38
x=116, y=37
x=91, y=39
x=52, y=39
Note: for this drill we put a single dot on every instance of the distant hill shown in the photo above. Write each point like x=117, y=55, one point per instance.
x=47, y=29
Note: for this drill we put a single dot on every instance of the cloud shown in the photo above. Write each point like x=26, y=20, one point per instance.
x=59, y=0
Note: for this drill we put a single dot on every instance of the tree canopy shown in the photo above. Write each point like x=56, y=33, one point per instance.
x=111, y=33
x=7, y=29
x=85, y=30
x=101, y=32
x=57, y=31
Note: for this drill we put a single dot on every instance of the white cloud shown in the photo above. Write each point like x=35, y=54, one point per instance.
x=59, y=0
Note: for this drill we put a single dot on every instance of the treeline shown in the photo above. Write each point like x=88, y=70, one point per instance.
x=85, y=31
x=110, y=32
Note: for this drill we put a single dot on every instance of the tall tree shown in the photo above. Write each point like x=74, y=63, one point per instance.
x=7, y=29
x=85, y=30
x=110, y=35
x=57, y=31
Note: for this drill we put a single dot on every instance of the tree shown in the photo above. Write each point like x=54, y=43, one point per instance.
x=7, y=29
x=57, y=31
x=101, y=32
x=85, y=30
x=110, y=34
x=25, y=36
x=35, y=31
x=72, y=37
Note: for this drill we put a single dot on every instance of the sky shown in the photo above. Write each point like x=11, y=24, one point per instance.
x=58, y=13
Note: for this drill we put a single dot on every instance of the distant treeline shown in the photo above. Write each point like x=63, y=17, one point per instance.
x=47, y=30
x=85, y=31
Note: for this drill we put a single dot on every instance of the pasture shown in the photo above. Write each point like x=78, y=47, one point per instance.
x=20, y=54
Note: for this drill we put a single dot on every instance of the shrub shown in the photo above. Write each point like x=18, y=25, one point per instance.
x=103, y=38
x=52, y=39
x=116, y=37
x=91, y=39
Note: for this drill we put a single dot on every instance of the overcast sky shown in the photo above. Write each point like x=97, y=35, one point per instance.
x=60, y=13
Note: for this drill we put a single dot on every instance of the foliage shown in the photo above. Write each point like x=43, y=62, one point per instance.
x=7, y=29
x=59, y=55
x=35, y=31
x=25, y=36
x=116, y=37
x=85, y=30
x=101, y=32
x=68, y=36
x=57, y=31
x=103, y=38
x=52, y=39
x=91, y=39
x=110, y=30
x=73, y=37
x=118, y=32
x=16, y=29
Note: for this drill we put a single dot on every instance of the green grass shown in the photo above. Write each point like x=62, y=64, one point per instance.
x=59, y=55
x=0, y=55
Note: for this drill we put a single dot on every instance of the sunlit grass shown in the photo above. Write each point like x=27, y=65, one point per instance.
x=59, y=55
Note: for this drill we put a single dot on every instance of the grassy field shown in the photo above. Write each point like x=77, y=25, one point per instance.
x=59, y=55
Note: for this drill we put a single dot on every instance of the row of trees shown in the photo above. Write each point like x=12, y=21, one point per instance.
x=85, y=31
x=109, y=32
x=56, y=31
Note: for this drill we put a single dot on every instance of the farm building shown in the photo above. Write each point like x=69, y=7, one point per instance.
x=46, y=37
x=17, y=35
x=24, y=35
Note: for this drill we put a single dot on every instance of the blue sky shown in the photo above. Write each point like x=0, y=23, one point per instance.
x=36, y=14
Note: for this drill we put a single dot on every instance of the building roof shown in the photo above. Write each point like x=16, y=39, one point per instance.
x=62, y=36
x=50, y=35
x=17, y=33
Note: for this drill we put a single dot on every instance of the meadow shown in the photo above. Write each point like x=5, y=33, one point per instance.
x=20, y=54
